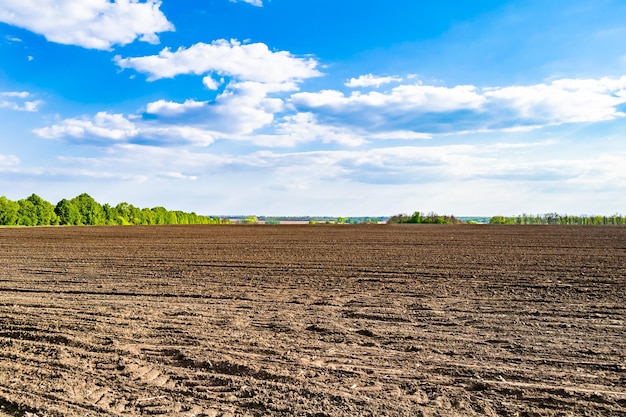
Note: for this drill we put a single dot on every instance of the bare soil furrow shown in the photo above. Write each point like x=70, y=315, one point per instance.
x=313, y=321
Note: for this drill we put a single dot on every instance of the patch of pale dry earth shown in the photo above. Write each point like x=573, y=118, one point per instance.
x=313, y=320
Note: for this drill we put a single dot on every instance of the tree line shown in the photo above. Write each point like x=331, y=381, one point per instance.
x=84, y=210
x=555, y=218
x=418, y=218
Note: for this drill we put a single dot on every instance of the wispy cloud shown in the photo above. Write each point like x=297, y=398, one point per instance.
x=258, y=3
x=370, y=80
x=179, y=176
x=96, y=24
x=8, y=161
x=18, y=101
x=17, y=94
x=387, y=165
x=387, y=180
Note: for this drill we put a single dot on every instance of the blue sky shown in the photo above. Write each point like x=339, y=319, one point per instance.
x=317, y=107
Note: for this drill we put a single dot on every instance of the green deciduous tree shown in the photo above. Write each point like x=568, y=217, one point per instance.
x=67, y=213
x=84, y=210
x=147, y=216
x=417, y=218
x=250, y=220
x=160, y=215
x=91, y=212
x=27, y=213
x=44, y=211
x=8, y=212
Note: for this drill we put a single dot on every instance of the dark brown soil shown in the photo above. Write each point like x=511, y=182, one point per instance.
x=313, y=321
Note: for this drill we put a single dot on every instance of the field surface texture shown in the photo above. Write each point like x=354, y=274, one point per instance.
x=313, y=321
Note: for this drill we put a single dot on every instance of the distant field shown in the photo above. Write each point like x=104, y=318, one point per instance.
x=313, y=321
x=475, y=219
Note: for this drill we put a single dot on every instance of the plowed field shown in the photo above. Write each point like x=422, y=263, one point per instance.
x=313, y=321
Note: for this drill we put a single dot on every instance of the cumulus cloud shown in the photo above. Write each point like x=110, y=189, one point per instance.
x=416, y=108
x=211, y=83
x=258, y=80
x=563, y=101
x=294, y=129
x=258, y=112
x=102, y=125
x=118, y=128
x=370, y=80
x=466, y=108
x=301, y=128
x=17, y=100
x=95, y=24
x=170, y=108
x=248, y=62
x=246, y=106
x=240, y=109
x=414, y=97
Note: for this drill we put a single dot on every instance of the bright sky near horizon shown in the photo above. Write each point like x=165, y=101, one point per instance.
x=317, y=107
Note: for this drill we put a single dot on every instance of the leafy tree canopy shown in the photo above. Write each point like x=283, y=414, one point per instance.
x=85, y=210
x=418, y=218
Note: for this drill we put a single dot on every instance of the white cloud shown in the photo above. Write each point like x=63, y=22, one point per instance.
x=240, y=109
x=247, y=62
x=103, y=125
x=256, y=112
x=170, y=108
x=176, y=135
x=401, y=135
x=179, y=176
x=96, y=24
x=247, y=106
x=250, y=100
x=16, y=100
x=120, y=129
x=413, y=97
x=500, y=178
x=9, y=160
x=30, y=106
x=370, y=80
x=303, y=128
x=563, y=101
x=466, y=108
x=17, y=94
x=435, y=164
x=258, y=3
x=211, y=83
